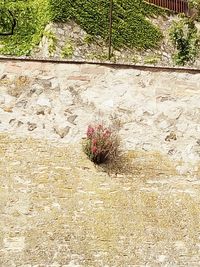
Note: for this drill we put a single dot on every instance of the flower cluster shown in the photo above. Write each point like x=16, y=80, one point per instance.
x=101, y=143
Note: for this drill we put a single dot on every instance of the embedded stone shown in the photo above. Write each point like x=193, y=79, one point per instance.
x=61, y=131
x=32, y=126
x=72, y=118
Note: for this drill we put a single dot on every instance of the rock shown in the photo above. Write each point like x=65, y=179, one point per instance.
x=12, y=122
x=37, y=89
x=43, y=106
x=2, y=99
x=21, y=104
x=61, y=131
x=31, y=126
x=8, y=109
x=46, y=84
x=60, y=31
x=164, y=124
x=137, y=72
x=171, y=152
x=117, y=53
x=55, y=84
x=14, y=244
x=3, y=76
x=108, y=104
x=43, y=101
x=173, y=114
x=71, y=119
x=198, y=142
x=42, y=110
x=171, y=136
x=66, y=98
x=182, y=126
x=19, y=123
x=7, y=99
x=166, y=55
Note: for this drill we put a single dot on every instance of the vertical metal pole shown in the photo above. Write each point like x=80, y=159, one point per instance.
x=110, y=29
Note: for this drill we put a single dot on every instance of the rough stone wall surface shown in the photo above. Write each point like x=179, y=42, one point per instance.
x=70, y=41
x=157, y=111
x=57, y=208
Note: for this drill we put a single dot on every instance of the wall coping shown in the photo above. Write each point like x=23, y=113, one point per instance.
x=105, y=63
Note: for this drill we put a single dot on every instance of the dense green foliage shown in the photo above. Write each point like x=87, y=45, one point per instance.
x=130, y=26
x=31, y=17
x=185, y=38
x=195, y=5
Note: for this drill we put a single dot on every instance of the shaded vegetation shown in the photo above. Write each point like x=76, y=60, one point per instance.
x=185, y=37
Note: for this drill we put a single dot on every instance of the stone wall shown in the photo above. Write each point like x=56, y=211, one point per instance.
x=70, y=41
x=60, y=210
x=156, y=111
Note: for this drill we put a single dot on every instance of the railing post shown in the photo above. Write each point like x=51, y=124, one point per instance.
x=110, y=29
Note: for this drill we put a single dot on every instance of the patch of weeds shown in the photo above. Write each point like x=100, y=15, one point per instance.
x=52, y=41
x=135, y=59
x=88, y=39
x=151, y=60
x=96, y=56
x=67, y=50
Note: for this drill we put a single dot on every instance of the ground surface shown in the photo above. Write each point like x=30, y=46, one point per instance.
x=57, y=209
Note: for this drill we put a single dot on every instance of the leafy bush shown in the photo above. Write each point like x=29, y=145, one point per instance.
x=101, y=144
x=185, y=37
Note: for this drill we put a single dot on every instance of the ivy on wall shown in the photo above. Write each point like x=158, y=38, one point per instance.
x=131, y=28
x=31, y=17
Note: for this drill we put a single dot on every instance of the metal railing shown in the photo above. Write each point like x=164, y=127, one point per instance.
x=178, y=6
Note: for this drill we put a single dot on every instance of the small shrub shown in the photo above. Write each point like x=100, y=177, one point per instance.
x=101, y=144
x=185, y=37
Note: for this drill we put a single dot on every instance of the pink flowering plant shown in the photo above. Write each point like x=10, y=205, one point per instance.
x=101, y=143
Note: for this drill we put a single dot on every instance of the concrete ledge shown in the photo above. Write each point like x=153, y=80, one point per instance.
x=105, y=63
